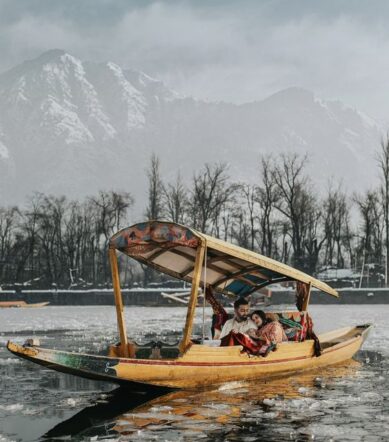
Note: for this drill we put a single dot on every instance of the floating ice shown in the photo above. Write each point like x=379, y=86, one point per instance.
x=160, y=408
x=217, y=406
x=271, y=415
x=71, y=402
x=303, y=390
x=10, y=361
x=370, y=396
x=12, y=408
x=269, y=402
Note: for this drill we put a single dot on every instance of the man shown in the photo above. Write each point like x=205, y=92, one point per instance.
x=241, y=322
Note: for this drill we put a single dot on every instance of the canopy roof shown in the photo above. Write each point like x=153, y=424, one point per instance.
x=229, y=269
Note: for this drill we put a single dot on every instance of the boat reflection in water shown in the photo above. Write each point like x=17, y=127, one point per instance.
x=238, y=406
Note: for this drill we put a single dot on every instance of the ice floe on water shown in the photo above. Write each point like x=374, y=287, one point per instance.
x=6, y=439
x=11, y=407
x=10, y=361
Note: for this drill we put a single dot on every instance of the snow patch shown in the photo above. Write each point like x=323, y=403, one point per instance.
x=4, y=153
x=12, y=407
x=293, y=137
x=18, y=92
x=94, y=108
x=368, y=122
x=136, y=104
x=348, y=140
x=65, y=122
x=56, y=78
x=326, y=108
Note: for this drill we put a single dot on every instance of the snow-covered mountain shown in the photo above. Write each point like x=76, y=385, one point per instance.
x=73, y=127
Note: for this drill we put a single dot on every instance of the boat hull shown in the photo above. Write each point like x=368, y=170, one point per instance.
x=201, y=365
x=21, y=304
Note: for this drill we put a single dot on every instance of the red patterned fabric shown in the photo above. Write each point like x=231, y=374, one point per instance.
x=310, y=334
x=220, y=315
x=272, y=332
x=256, y=348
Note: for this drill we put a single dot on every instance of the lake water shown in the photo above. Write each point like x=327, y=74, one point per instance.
x=348, y=402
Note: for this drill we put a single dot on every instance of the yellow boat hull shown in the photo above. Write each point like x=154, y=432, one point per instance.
x=202, y=365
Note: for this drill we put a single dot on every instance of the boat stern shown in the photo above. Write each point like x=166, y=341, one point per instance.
x=365, y=329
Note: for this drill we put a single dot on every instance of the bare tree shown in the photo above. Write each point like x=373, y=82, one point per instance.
x=28, y=255
x=250, y=197
x=267, y=195
x=313, y=238
x=336, y=226
x=50, y=217
x=8, y=221
x=224, y=221
x=210, y=192
x=110, y=210
x=154, y=208
x=240, y=229
x=175, y=199
x=372, y=225
x=295, y=200
x=383, y=162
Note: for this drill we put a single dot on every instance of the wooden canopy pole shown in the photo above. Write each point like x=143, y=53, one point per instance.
x=119, y=303
x=193, y=297
x=307, y=297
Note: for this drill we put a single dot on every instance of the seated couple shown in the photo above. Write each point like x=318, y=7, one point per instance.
x=257, y=334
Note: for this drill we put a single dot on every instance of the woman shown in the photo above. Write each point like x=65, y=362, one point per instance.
x=268, y=330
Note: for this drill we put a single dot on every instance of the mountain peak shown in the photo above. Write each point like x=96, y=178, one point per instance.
x=49, y=56
x=34, y=64
x=292, y=95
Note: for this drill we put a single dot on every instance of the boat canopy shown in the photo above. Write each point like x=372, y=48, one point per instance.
x=171, y=248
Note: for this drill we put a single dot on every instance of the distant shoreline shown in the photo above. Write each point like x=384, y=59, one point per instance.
x=152, y=297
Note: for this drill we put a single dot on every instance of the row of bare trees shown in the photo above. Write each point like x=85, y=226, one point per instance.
x=56, y=241
x=282, y=215
x=279, y=216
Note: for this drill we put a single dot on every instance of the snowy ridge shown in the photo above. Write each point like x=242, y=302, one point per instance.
x=90, y=102
x=133, y=99
x=64, y=121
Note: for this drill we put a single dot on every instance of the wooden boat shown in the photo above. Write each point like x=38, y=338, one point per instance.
x=205, y=262
x=21, y=304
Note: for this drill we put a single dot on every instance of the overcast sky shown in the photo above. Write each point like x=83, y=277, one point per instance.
x=218, y=50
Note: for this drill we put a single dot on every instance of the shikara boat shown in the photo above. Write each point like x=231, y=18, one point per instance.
x=22, y=304
x=204, y=262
